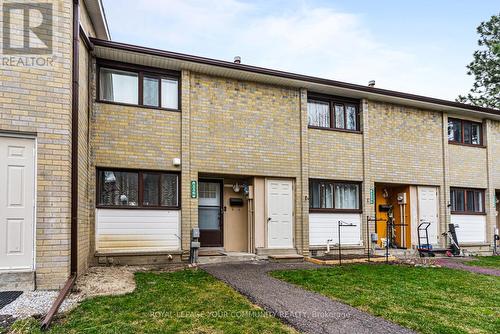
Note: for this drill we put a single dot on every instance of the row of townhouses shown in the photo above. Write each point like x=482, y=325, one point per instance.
x=112, y=153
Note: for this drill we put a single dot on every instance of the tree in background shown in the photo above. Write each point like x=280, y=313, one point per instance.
x=485, y=67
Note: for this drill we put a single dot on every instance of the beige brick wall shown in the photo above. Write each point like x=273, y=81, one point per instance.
x=133, y=137
x=239, y=128
x=404, y=144
x=384, y=153
x=493, y=137
x=493, y=158
x=467, y=166
x=335, y=155
x=244, y=128
x=38, y=100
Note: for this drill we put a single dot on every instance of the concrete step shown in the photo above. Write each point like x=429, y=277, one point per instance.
x=287, y=258
x=17, y=281
x=230, y=257
x=276, y=251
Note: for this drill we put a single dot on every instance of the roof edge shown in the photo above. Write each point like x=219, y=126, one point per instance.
x=289, y=75
x=95, y=10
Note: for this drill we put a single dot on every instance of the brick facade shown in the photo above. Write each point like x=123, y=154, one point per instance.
x=227, y=127
x=228, y=130
x=230, y=127
x=37, y=100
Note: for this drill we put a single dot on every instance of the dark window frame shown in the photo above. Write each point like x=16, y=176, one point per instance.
x=334, y=210
x=141, y=71
x=466, y=211
x=462, y=139
x=140, y=189
x=336, y=100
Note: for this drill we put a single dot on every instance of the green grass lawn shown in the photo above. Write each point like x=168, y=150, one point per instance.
x=485, y=261
x=428, y=300
x=187, y=301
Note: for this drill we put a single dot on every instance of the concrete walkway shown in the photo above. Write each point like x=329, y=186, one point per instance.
x=306, y=311
x=458, y=263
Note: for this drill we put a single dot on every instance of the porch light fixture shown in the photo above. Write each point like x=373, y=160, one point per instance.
x=176, y=161
x=236, y=187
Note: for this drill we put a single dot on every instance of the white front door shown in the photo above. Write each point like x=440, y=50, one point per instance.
x=17, y=189
x=279, y=213
x=428, y=211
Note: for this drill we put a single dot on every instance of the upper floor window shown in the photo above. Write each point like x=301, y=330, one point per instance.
x=334, y=196
x=333, y=113
x=138, y=87
x=119, y=188
x=119, y=86
x=467, y=201
x=464, y=132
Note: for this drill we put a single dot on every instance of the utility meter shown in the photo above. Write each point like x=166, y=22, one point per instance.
x=195, y=233
x=402, y=198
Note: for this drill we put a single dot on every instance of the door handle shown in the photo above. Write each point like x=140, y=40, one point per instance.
x=269, y=219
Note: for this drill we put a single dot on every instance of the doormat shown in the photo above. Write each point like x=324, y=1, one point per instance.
x=7, y=297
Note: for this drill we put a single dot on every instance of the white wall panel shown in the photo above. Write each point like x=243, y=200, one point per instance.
x=470, y=229
x=324, y=226
x=130, y=230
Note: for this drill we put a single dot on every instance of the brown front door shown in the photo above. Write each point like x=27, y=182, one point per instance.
x=210, y=213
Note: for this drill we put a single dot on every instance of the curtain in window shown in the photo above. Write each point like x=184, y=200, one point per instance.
x=457, y=200
x=106, y=85
x=339, y=116
x=454, y=130
x=150, y=91
x=351, y=117
x=328, y=195
x=169, y=190
x=119, y=188
x=314, y=195
x=467, y=132
x=151, y=192
x=479, y=201
x=346, y=196
x=119, y=86
x=476, y=134
x=474, y=201
x=169, y=93
x=319, y=113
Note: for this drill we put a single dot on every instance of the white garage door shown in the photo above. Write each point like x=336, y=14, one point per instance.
x=17, y=189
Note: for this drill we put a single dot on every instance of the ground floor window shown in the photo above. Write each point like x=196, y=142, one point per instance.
x=334, y=196
x=140, y=189
x=467, y=201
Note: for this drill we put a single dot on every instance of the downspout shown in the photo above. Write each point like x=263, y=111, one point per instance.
x=74, y=170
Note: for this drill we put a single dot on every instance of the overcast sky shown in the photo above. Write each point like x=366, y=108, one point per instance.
x=419, y=47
